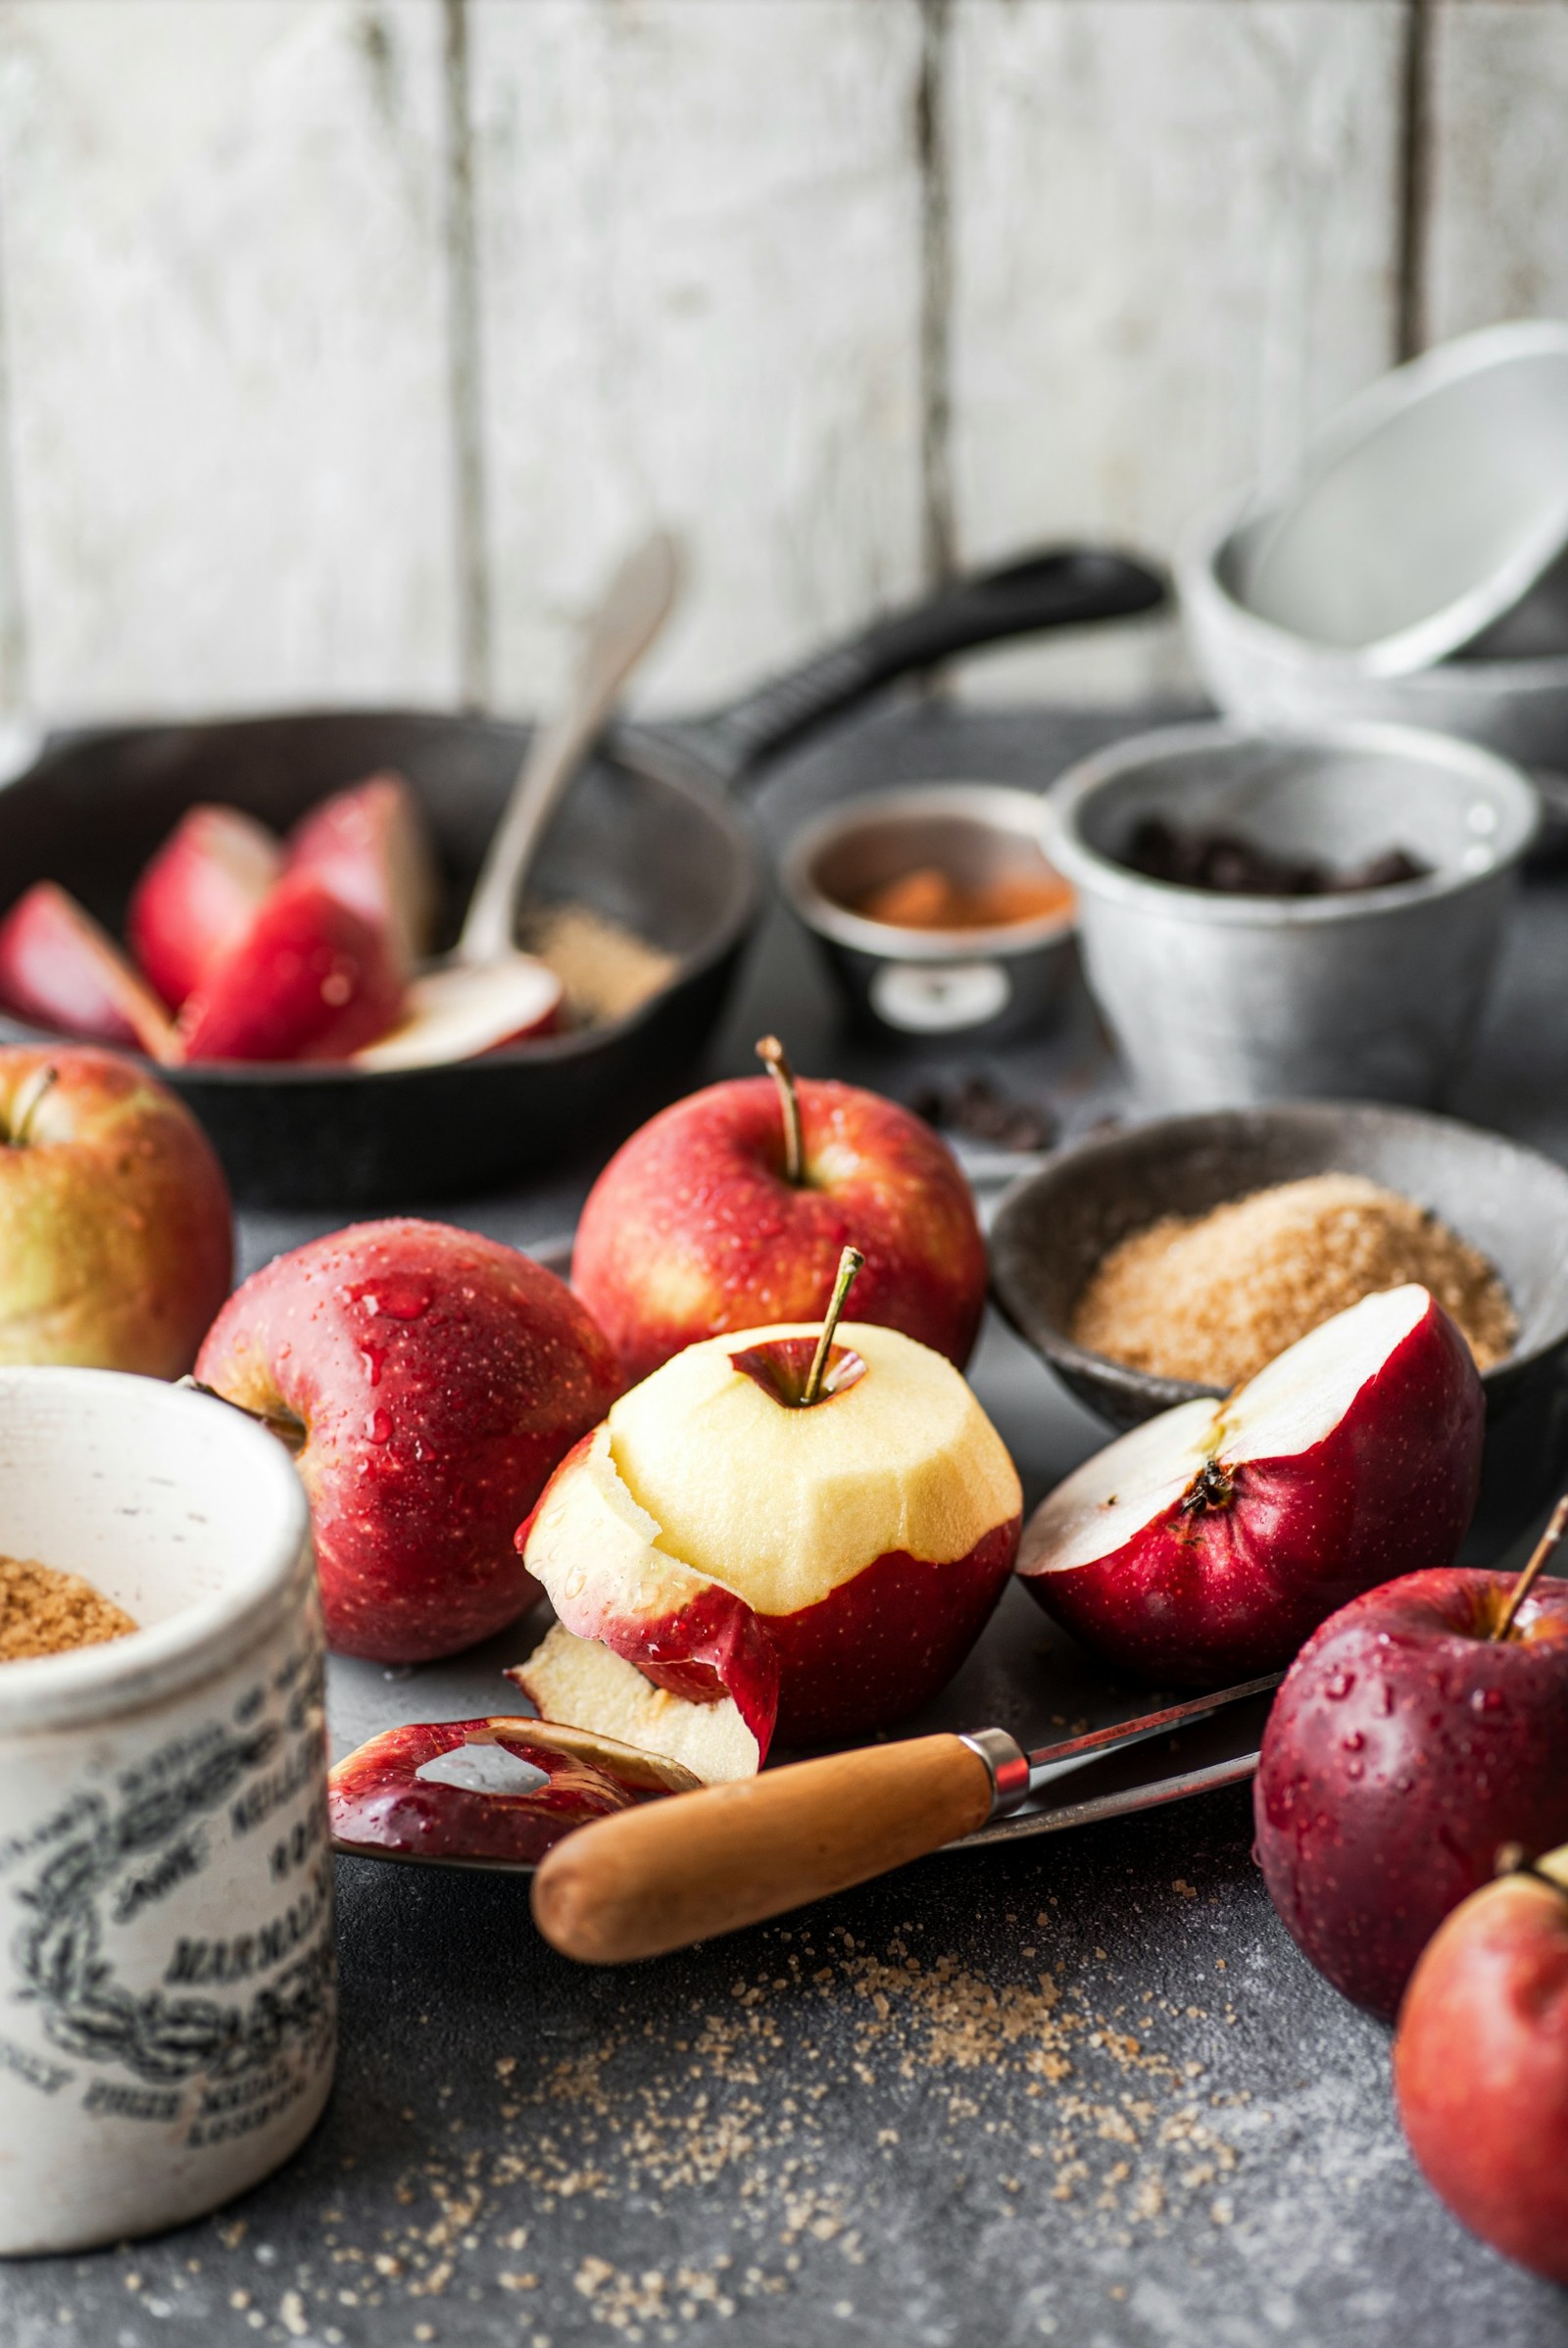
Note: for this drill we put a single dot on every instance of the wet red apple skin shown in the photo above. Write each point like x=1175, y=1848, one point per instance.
x=197, y=895
x=377, y=1801
x=1481, y=2070
x=692, y=1228
x=439, y=1375
x=1403, y=1749
x=307, y=979
x=1217, y=1593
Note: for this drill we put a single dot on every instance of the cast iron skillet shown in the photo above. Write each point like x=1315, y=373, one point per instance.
x=646, y=834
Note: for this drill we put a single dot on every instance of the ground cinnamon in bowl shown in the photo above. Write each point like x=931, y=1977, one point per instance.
x=43, y=1612
x=1213, y=1297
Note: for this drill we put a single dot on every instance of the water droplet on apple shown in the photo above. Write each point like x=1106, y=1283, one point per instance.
x=1486, y=1699
x=1339, y=1685
x=1385, y=1699
x=372, y=1356
x=1354, y=1770
x=399, y=1299
x=379, y=1426
x=1355, y=1743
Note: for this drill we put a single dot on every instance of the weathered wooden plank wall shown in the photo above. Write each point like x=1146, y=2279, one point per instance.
x=342, y=341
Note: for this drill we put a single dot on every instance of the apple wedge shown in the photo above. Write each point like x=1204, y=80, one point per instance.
x=1205, y=1546
x=307, y=979
x=371, y=848
x=725, y=1530
x=59, y=969
x=198, y=894
x=499, y=1791
x=462, y=1010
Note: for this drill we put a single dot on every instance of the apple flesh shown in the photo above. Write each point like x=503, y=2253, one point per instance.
x=499, y=1793
x=1481, y=2064
x=198, y=894
x=464, y=1009
x=694, y=1228
x=307, y=979
x=59, y=969
x=433, y=1379
x=1405, y=1748
x=369, y=847
x=1204, y=1547
x=807, y=1572
x=115, y=1235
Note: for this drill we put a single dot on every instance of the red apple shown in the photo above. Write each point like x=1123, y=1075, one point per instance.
x=1203, y=1546
x=59, y=969
x=710, y=1219
x=464, y=1009
x=1407, y=1745
x=727, y=1559
x=307, y=979
x=1481, y=2064
x=115, y=1226
x=503, y=1792
x=371, y=848
x=197, y=895
x=432, y=1379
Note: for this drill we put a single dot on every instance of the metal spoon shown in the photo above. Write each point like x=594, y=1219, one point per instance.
x=486, y=991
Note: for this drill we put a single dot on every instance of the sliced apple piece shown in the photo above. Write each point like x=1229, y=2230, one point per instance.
x=198, y=894
x=574, y=1679
x=460, y=1011
x=1205, y=1546
x=857, y=1541
x=309, y=979
x=370, y=846
x=59, y=969
x=502, y=1790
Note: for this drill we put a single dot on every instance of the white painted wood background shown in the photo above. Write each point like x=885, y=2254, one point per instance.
x=343, y=342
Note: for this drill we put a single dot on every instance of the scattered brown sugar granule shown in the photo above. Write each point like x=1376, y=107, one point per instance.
x=46, y=1613
x=605, y=971
x=1213, y=1297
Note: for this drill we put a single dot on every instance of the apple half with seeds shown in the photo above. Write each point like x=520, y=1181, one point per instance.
x=1205, y=1546
x=735, y=1554
x=499, y=1791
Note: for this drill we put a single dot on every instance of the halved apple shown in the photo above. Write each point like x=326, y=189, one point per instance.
x=198, y=894
x=501, y=1791
x=59, y=969
x=370, y=846
x=719, y=1533
x=307, y=979
x=1205, y=1546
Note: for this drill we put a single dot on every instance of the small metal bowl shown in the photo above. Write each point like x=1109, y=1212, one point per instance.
x=927, y=982
x=1217, y=1000
x=1055, y=1225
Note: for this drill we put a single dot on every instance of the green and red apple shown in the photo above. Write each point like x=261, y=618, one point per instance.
x=730, y=1561
x=1481, y=2064
x=1204, y=1547
x=115, y=1235
x=430, y=1379
x=730, y=1210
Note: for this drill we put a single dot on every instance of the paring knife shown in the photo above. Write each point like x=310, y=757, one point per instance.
x=674, y=1872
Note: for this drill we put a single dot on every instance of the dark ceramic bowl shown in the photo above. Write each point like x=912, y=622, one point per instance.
x=1056, y=1224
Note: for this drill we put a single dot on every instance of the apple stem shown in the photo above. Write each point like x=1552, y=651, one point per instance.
x=770, y=1051
x=290, y=1432
x=1543, y=1550
x=42, y=1080
x=850, y=1264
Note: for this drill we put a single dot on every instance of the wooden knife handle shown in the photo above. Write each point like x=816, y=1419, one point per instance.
x=672, y=1872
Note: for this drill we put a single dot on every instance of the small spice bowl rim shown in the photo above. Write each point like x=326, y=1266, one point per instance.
x=1090, y=869
x=997, y=806
x=1144, y=1393
x=146, y=1666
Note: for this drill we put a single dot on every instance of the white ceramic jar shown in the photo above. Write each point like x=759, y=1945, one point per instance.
x=166, y=1988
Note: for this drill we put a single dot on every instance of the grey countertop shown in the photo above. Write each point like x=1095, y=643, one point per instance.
x=1081, y=2089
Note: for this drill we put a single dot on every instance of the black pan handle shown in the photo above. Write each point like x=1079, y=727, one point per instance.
x=1067, y=587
